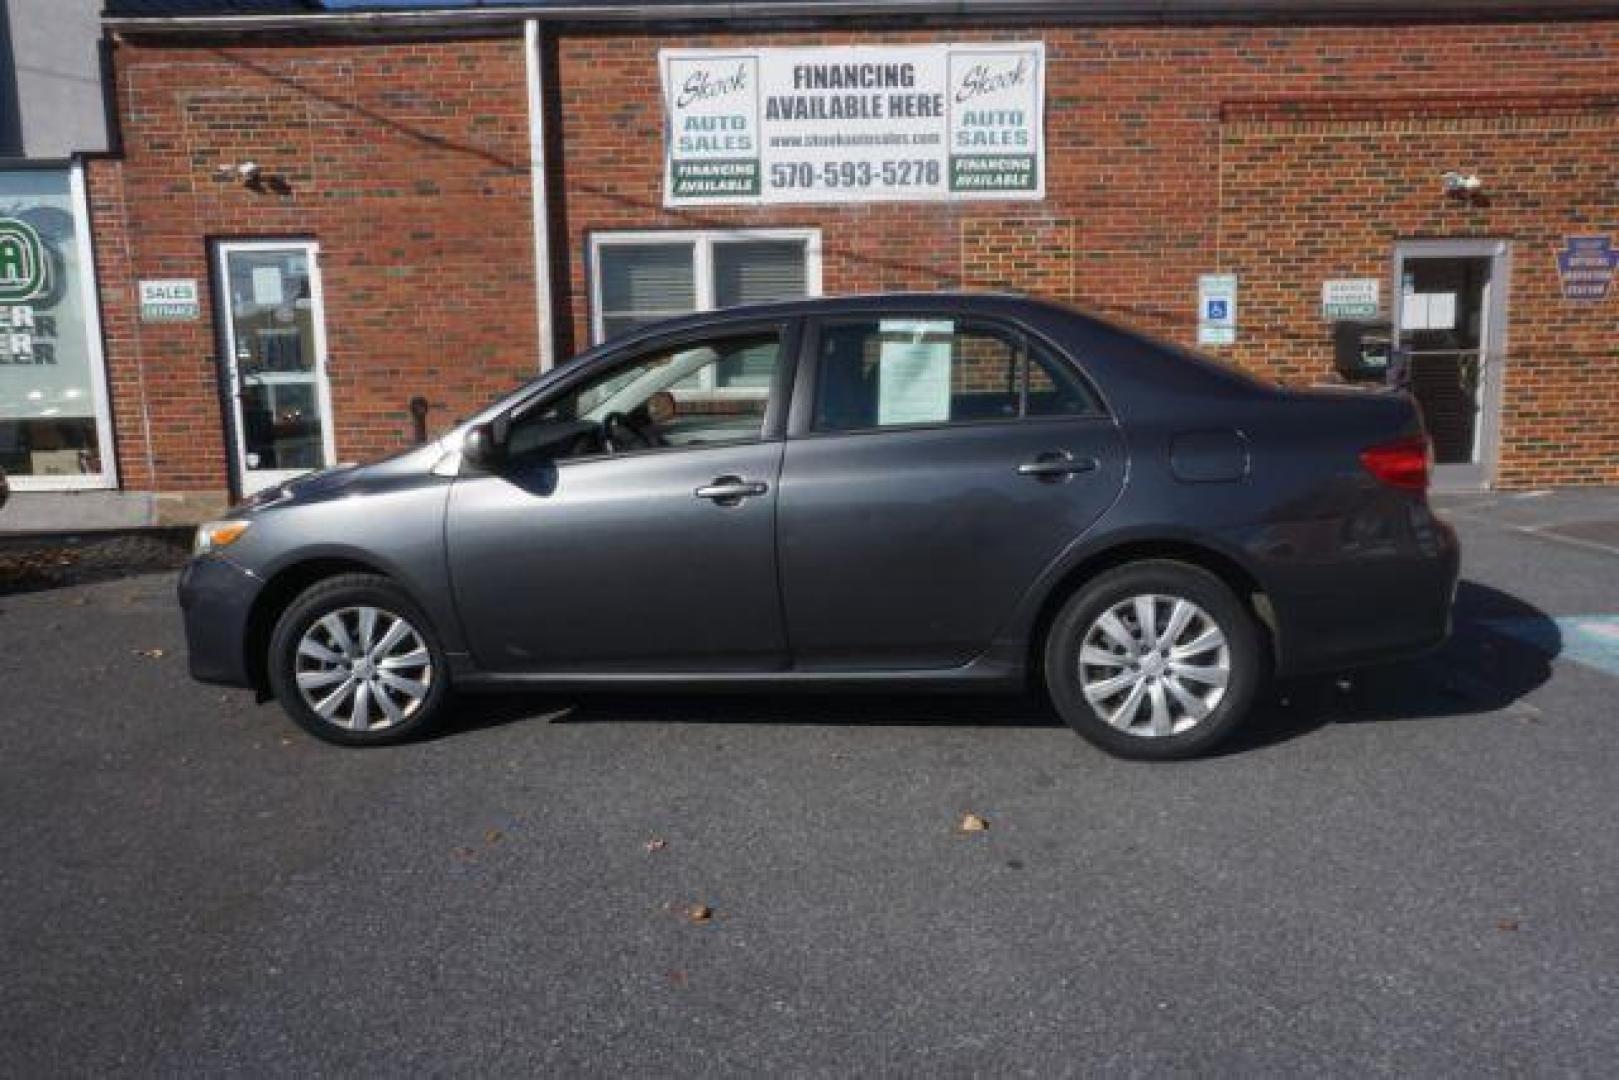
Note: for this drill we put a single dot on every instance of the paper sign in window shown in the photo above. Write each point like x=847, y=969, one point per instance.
x=1428, y=311
x=267, y=286
x=913, y=372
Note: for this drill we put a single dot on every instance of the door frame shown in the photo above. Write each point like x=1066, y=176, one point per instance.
x=1478, y=475
x=230, y=387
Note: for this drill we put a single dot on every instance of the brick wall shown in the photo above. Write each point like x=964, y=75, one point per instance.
x=407, y=162
x=1285, y=155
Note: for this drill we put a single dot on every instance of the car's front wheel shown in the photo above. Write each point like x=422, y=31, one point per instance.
x=355, y=662
x=1156, y=659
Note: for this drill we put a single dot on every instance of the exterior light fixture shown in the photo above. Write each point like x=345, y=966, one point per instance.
x=1462, y=185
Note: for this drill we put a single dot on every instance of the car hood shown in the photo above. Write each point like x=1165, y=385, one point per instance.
x=349, y=479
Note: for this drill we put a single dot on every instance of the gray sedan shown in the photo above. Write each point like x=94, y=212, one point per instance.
x=944, y=491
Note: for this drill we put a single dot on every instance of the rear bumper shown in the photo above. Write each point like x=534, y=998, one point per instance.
x=1387, y=599
x=216, y=598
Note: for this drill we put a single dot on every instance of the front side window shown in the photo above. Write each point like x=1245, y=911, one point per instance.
x=641, y=278
x=659, y=401
x=896, y=372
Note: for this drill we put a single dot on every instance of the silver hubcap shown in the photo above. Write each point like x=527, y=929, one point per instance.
x=363, y=669
x=1154, y=665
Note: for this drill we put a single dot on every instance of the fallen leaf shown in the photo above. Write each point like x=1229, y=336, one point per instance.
x=700, y=913
x=971, y=823
x=1510, y=925
x=657, y=843
x=463, y=853
x=154, y=654
x=493, y=836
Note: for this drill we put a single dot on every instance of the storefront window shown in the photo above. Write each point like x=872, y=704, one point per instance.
x=53, y=417
x=641, y=278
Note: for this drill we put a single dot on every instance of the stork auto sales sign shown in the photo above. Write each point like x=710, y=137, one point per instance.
x=853, y=124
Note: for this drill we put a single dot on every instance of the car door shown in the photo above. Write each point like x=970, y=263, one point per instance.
x=650, y=547
x=940, y=465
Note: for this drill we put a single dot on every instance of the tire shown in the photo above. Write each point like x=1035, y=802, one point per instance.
x=1219, y=679
x=403, y=687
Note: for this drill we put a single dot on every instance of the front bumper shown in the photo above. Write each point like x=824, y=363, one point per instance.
x=216, y=597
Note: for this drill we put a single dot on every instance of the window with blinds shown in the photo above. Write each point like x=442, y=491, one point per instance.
x=640, y=278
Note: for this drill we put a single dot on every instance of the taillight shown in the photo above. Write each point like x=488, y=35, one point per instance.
x=1403, y=463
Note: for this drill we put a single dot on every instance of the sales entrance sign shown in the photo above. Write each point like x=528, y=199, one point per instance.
x=853, y=124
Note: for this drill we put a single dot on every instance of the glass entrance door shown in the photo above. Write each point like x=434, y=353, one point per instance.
x=275, y=360
x=1450, y=314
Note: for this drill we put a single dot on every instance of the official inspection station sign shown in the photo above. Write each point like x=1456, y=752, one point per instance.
x=853, y=124
x=1586, y=266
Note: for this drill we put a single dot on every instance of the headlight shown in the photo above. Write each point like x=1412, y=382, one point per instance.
x=216, y=535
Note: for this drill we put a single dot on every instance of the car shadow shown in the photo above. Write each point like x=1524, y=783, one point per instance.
x=1501, y=649
x=1481, y=669
x=916, y=709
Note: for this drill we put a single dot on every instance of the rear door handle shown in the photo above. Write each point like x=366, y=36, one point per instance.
x=1055, y=465
x=731, y=490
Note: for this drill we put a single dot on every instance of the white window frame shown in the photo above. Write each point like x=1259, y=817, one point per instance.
x=702, y=242
x=247, y=481
x=90, y=302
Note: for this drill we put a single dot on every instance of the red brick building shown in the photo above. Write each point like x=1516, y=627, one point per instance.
x=374, y=205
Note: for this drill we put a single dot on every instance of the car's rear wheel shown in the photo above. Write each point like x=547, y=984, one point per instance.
x=355, y=662
x=1156, y=659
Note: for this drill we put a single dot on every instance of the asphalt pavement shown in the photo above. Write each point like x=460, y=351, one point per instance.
x=1413, y=872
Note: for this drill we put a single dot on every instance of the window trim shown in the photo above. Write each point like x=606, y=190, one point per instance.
x=90, y=301
x=702, y=242
x=807, y=389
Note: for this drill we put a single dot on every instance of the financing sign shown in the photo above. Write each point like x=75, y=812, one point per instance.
x=853, y=124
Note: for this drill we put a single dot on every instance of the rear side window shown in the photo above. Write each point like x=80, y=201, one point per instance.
x=898, y=372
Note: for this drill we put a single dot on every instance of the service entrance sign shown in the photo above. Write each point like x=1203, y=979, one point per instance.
x=1351, y=298
x=853, y=124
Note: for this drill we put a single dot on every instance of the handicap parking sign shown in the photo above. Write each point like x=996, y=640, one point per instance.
x=1217, y=309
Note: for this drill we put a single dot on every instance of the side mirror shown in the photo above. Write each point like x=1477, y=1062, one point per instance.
x=484, y=445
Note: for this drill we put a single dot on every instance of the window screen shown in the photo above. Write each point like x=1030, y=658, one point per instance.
x=755, y=272
x=642, y=283
x=909, y=371
x=758, y=271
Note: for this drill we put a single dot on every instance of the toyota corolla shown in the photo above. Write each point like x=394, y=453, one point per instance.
x=961, y=492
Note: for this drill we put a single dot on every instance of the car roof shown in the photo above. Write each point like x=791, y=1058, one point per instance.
x=1003, y=304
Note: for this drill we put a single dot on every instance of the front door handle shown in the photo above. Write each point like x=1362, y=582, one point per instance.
x=731, y=490
x=1056, y=465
